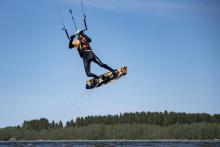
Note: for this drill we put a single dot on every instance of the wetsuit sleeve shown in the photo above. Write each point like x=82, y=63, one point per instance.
x=71, y=43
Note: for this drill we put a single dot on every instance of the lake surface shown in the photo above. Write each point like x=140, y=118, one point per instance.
x=111, y=143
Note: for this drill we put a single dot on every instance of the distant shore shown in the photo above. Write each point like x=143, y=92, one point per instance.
x=119, y=140
x=128, y=126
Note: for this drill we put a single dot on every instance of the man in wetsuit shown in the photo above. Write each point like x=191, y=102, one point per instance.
x=86, y=53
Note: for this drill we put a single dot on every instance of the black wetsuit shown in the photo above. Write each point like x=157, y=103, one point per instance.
x=88, y=55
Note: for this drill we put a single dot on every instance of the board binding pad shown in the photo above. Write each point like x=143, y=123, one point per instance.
x=106, y=78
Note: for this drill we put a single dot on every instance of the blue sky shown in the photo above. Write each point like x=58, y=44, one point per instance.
x=171, y=48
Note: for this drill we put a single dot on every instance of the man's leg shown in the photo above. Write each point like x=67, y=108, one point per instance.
x=99, y=62
x=87, y=64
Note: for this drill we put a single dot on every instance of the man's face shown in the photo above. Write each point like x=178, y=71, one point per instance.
x=80, y=36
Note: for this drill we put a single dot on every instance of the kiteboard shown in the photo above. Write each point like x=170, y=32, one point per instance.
x=106, y=78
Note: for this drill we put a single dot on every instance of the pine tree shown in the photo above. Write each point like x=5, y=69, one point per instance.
x=53, y=124
x=60, y=124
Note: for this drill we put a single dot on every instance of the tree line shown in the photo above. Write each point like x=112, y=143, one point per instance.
x=196, y=131
x=151, y=118
x=43, y=123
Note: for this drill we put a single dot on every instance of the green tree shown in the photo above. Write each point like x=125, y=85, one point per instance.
x=60, y=124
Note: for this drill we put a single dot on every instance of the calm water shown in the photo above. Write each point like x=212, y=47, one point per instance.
x=100, y=143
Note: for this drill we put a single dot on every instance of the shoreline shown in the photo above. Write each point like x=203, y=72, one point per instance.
x=112, y=140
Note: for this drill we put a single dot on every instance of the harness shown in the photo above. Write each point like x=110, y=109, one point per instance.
x=83, y=48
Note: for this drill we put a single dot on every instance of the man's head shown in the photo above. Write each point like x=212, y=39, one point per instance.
x=80, y=36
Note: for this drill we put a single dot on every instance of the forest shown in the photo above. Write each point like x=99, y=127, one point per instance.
x=138, y=125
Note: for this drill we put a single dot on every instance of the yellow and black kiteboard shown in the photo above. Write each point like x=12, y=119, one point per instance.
x=106, y=78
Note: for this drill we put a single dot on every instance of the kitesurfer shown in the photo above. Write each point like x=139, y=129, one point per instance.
x=81, y=41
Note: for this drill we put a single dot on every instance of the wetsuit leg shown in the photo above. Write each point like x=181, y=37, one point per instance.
x=99, y=62
x=87, y=64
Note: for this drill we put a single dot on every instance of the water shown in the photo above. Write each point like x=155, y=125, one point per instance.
x=101, y=143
